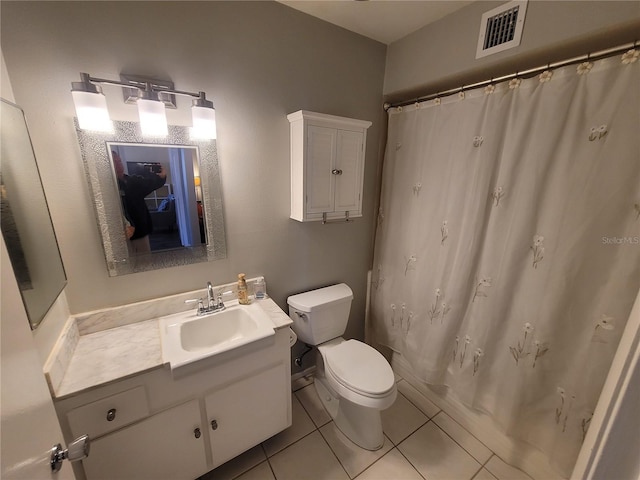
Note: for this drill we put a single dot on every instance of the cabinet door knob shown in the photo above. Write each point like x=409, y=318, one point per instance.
x=336, y=171
x=111, y=415
x=214, y=425
x=197, y=433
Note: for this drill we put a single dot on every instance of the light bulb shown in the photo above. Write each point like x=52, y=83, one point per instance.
x=204, y=123
x=153, y=118
x=91, y=110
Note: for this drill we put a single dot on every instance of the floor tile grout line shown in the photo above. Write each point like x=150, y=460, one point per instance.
x=264, y=450
x=292, y=443
x=395, y=445
x=309, y=415
x=484, y=465
x=248, y=469
x=377, y=460
x=318, y=430
x=329, y=445
x=452, y=419
x=462, y=427
x=476, y=474
x=253, y=468
x=506, y=463
x=418, y=406
x=414, y=467
x=307, y=379
x=462, y=447
x=334, y=453
x=273, y=472
x=411, y=433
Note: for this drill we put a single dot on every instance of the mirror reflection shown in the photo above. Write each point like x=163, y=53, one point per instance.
x=161, y=196
x=157, y=200
x=26, y=225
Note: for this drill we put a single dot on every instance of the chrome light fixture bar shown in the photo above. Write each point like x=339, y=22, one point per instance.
x=92, y=112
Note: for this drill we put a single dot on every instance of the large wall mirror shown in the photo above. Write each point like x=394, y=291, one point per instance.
x=26, y=225
x=158, y=201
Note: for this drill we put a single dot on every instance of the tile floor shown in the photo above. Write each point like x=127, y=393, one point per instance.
x=421, y=442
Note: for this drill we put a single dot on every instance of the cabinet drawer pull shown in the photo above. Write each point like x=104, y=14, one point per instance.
x=336, y=171
x=214, y=425
x=111, y=415
x=197, y=433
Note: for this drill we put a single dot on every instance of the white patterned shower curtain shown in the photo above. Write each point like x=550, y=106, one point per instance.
x=507, y=253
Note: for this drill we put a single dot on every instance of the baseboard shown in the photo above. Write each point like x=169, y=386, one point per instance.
x=519, y=454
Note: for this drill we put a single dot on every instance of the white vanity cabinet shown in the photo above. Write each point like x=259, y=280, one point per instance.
x=246, y=413
x=327, y=166
x=167, y=445
x=157, y=426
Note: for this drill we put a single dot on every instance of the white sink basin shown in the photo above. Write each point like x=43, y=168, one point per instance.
x=188, y=338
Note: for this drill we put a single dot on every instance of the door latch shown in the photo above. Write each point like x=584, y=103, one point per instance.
x=78, y=449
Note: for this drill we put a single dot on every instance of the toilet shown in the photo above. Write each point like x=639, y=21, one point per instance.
x=354, y=381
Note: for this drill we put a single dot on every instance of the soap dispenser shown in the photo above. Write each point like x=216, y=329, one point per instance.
x=243, y=293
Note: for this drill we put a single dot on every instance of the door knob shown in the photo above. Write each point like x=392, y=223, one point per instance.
x=78, y=449
x=336, y=171
x=197, y=433
x=214, y=424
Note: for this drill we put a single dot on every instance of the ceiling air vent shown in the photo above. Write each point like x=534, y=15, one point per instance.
x=501, y=28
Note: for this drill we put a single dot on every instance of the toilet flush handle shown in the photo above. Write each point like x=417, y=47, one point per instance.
x=302, y=315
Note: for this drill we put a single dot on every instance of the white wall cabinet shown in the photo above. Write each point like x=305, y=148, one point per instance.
x=155, y=426
x=327, y=166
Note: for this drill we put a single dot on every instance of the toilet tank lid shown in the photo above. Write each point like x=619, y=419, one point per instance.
x=321, y=297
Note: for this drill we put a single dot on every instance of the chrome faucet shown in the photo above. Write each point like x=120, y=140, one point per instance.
x=210, y=297
x=214, y=303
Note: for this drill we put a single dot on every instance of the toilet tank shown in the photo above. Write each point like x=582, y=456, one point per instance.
x=320, y=315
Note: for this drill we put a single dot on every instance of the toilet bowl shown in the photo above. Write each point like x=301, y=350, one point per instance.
x=354, y=381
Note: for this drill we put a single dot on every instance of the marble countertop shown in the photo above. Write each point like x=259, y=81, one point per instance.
x=112, y=354
x=116, y=353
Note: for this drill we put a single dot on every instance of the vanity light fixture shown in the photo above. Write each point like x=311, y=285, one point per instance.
x=92, y=112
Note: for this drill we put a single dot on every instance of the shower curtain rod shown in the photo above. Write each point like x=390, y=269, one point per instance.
x=590, y=56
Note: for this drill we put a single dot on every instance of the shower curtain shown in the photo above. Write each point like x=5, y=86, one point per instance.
x=507, y=253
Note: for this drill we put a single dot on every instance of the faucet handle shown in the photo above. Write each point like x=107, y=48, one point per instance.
x=219, y=303
x=194, y=300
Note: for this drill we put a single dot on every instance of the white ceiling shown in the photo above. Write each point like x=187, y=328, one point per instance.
x=382, y=20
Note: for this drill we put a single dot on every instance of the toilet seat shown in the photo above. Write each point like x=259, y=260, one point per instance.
x=359, y=368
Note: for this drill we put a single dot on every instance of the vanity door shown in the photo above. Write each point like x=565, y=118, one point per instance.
x=247, y=412
x=169, y=444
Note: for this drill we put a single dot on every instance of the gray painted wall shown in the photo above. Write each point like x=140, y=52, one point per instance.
x=257, y=61
x=442, y=55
